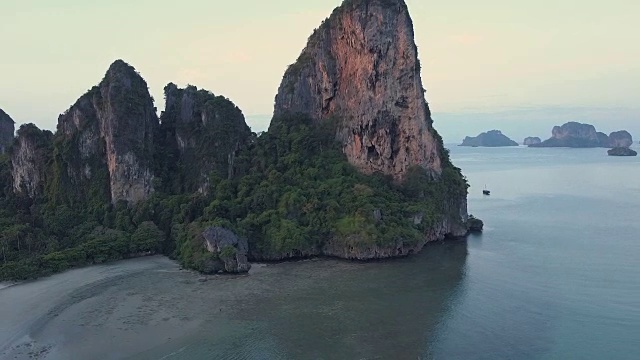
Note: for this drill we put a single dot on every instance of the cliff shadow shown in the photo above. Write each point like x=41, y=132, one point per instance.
x=331, y=309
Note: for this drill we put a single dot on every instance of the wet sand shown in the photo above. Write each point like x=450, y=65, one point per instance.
x=105, y=312
x=149, y=308
x=140, y=308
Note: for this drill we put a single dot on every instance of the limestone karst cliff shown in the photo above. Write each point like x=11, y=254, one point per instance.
x=110, y=147
x=7, y=129
x=202, y=133
x=361, y=66
x=351, y=165
x=109, y=132
x=29, y=158
x=532, y=140
x=103, y=147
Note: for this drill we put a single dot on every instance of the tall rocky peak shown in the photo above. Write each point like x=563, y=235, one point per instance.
x=361, y=67
x=30, y=155
x=7, y=129
x=202, y=133
x=105, y=140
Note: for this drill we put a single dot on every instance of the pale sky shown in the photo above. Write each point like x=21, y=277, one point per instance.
x=514, y=62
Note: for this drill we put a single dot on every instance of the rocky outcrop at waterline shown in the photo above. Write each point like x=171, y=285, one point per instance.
x=475, y=225
x=622, y=151
x=493, y=138
x=229, y=250
x=363, y=246
x=448, y=226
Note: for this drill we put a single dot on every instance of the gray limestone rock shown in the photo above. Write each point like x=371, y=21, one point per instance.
x=622, y=151
x=111, y=130
x=231, y=249
x=30, y=156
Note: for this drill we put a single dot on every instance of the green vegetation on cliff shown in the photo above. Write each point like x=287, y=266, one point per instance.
x=198, y=137
x=115, y=182
x=292, y=192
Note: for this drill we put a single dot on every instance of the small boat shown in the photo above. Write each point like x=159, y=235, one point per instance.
x=485, y=191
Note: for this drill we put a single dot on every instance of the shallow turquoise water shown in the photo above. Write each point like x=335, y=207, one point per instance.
x=555, y=275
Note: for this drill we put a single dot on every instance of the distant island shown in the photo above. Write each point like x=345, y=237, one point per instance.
x=493, y=138
x=622, y=151
x=620, y=139
x=579, y=135
x=532, y=141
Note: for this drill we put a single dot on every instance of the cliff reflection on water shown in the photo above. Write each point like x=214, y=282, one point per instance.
x=330, y=309
x=389, y=310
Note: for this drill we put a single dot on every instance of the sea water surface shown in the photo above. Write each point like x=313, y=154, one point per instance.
x=555, y=275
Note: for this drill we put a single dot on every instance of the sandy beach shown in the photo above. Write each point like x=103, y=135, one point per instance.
x=146, y=308
x=109, y=311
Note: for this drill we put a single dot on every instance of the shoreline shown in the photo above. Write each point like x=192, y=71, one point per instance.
x=36, y=303
x=148, y=308
x=137, y=308
x=7, y=284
